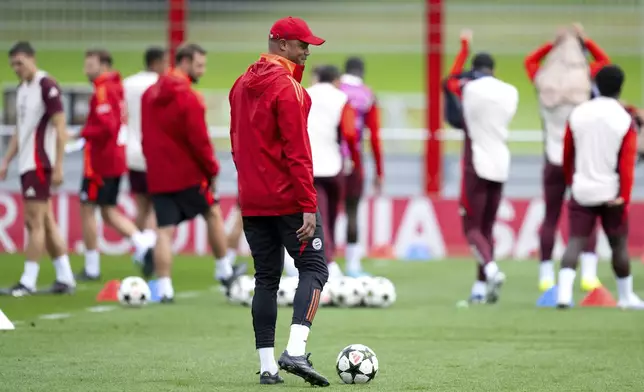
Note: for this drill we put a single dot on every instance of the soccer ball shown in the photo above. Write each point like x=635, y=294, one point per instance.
x=357, y=364
x=381, y=293
x=325, y=295
x=242, y=290
x=134, y=292
x=286, y=290
x=348, y=292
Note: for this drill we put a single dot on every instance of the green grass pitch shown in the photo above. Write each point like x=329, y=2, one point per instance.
x=424, y=342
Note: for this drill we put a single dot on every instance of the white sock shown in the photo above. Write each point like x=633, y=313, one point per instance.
x=479, y=289
x=588, y=265
x=625, y=288
x=564, y=288
x=142, y=243
x=151, y=235
x=92, y=263
x=64, y=272
x=267, y=360
x=335, y=272
x=297, y=340
x=491, y=269
x=30, y=274
x=352, y=255
x=164, y=287
x=289, y=265
x=231, y=254
x=223, y=268
x=547, y=270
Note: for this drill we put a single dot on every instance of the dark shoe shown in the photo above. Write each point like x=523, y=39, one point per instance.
x=19, y=290
x=563, y=306
x=167, y=300
x=238, y=270
x=84, y=277
x=302, y=367
x=60, y=288
x=147, y=268
x=267, y=378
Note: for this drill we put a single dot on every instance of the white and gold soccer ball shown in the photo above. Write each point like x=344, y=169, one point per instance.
x=357, y=364
x=347, y=292
x=380, y=293
x=242, y=290
x=134, y=292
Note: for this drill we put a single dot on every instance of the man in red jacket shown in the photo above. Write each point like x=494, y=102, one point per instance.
x=182, y=167
x=105, y=164
x=272, y=153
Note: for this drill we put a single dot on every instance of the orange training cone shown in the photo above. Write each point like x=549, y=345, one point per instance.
x=109, y=292
x=599, y=297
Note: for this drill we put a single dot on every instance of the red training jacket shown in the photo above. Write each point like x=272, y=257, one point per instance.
x=104, y=154
x=174, y=136
x=270, y=142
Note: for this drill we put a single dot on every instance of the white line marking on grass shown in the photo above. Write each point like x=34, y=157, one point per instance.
x=101, y=308
x=55, y=316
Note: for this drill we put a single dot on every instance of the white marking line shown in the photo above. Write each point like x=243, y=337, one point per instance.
x=55, y=316
x=101, y=308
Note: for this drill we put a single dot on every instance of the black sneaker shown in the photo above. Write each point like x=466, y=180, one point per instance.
x=147, y=268
x=60, y=288
x=84, y=277
x=301, y=366
x=267, y=378
x=167, y=300
x=563, y=306
x=20, y=290
x=238, y=270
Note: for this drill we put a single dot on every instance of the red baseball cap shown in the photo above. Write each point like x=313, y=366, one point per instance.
x=294, y=28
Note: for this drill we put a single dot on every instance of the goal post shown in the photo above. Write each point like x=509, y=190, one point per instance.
x=434, y=17
x=177, y=15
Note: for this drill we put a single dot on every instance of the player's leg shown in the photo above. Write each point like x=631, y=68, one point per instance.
x=353, y=194
x=289, y=265
x=107, y=200
x=493, y=276
x=615, y=223
x=334, y=195
x=35, y=212
x=265, y=246
x=322, y=185
x=57, y=249
x=92, y=267
x=589, y=260
x=581, y=224
x=234, y=237
x=145, y=219
x=168, y=216
x=313, y=274
x=554, y=190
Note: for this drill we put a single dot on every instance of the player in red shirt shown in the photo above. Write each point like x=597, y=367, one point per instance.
x=269, y=109
x=181, y=164
x=105, y=164
x=600, y=149
x=554, y=120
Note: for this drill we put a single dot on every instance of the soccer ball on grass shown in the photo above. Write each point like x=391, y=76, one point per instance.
x=286, y=290
x=357, y=364
x=134, y=292
x=347, y=292
x=380, y=293
x=242, y=290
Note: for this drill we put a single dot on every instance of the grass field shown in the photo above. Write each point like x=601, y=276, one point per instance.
x=424, y=343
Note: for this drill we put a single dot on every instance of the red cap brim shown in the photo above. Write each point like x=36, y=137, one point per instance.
x=313, y=40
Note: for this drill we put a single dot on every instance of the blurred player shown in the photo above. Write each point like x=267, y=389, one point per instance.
x=600, y=149
x=39, y=143
x=272, y=153
x=134, y=86
x=364, y=103
x=105, y=164
x=488, y=106
x=181, y=164
x=563, y=81
x=331, y=120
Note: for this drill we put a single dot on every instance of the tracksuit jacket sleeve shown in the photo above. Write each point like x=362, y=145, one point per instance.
x=104, y=118
x=199, y=139
x=291, y=121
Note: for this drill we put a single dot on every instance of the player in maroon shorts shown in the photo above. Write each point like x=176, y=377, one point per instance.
x=566, y=61
x=39, y=143
x=600, y=150
x=488, y=105
x=332, y=119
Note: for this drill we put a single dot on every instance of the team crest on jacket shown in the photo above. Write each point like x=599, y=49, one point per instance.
x=316, y=244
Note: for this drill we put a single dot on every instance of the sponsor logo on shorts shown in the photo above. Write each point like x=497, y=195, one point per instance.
x=30, y=192
x=316, y=244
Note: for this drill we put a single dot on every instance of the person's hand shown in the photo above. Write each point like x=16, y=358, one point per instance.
x=308, y=227
x=561, y=33
x=466, y=35
x=57, y=177
x=4, y=167
x=377, y=185
x=616, y=203
x=579, y=30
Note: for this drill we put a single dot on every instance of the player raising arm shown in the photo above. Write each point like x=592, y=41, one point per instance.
x=272, y=153
x=39, y=142
x=181, y=164
x=600, y=149
x=105, y=164
x=488, y=106
x=563, y=81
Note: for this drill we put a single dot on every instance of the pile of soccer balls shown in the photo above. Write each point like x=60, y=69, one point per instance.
x=377, y=292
